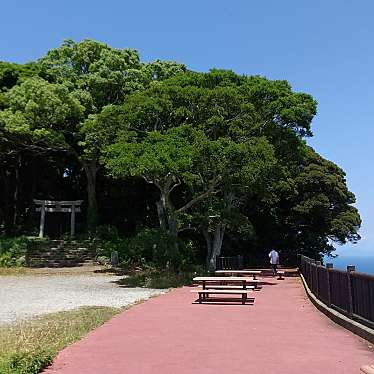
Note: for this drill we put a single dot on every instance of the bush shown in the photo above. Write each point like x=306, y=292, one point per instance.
x=106, y=233
x=158, y=249
x=152, y=247
x=12, y=251
x=154, y=278
x=26, y=363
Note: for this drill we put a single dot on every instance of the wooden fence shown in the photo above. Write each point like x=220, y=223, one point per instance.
x=349, y=292
x=230, y=263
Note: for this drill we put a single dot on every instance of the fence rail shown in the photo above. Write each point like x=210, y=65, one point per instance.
x=230, y=263
x=349, y=292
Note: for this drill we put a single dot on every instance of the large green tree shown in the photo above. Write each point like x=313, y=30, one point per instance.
x=186, y=157
x=224, y=105
x=98, y=75
x=37, y=116
x=226, y=154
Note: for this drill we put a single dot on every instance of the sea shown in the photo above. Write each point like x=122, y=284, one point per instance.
x=363, y=264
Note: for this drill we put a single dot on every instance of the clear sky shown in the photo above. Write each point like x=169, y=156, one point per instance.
x=322, y=47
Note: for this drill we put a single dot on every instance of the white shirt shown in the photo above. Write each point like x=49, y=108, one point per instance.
x=274, y=257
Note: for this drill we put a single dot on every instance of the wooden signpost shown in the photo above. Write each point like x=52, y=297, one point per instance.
x=53, y=206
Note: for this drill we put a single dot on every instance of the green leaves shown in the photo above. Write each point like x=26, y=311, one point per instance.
x=39, y=112
x=45, y=105
x=107, y=74
x=224, y=151
x=155, y=157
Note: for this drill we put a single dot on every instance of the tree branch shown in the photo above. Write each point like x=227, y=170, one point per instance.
x=175, y=185
x=195, y=200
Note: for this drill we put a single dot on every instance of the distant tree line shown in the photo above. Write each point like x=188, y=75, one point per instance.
x=216, y=160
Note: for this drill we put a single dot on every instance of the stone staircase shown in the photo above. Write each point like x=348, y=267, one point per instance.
x=60, y=253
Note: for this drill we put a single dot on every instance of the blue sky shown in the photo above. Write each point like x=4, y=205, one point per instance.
x=324, y=48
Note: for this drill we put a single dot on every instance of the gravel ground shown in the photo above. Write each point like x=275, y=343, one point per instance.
x=23, y=297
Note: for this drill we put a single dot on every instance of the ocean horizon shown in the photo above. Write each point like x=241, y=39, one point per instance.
x=364, y=264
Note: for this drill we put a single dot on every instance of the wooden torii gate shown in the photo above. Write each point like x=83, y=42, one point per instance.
x=57, y=206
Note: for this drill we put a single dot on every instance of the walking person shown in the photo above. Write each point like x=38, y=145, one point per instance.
x=274, y=261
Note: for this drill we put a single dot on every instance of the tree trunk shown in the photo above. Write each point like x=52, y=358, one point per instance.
x=209, y=246
x=161, y=208
x=17, y=191
x=168, y=218
x=166, y=212
x=34, y=188
x=172, y=225
x=214, y=246
x=7, y=202
x=4, y=199
x=90, y=167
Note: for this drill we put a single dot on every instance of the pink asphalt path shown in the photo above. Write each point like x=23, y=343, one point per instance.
x=281, y=333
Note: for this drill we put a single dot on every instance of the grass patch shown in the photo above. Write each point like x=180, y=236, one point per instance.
x=24, y=271
x=14, y=271
x=29, y=346
x=157, y=279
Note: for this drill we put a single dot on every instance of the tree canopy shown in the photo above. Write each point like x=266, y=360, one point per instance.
x=216, y=159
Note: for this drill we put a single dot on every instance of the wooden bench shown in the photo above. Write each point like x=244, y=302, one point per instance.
x=280, y=275
x=204, y=294
x=244, y=281
x=252, y=273
x=367, y=369
x=225, y=287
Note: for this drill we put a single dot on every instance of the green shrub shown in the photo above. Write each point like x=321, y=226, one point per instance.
x=153, y=246
x=158, y=249
x=154, y=278
x=150, y=247
x=106, y=247
x=26, y=363
x=12, y=251
x=106, y=233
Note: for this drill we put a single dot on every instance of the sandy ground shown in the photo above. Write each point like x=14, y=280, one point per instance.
x=26, y=296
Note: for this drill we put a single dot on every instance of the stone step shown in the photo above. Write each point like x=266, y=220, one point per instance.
x=60, y=253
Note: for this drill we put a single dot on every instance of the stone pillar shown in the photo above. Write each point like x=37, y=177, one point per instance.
x=114, y=258
x=72, y=221
x=42, y=220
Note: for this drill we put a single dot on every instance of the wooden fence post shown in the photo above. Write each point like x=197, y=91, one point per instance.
x=299, y=261
x=317, y=293
x=350, y=268
x=328, y=267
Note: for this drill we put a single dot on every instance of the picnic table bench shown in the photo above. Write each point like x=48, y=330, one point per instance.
x=281, y=274
x=239, y=272
x=367, y=369
x=244, y=281
x=242, y=285
x=204, y=294
x=226, y=287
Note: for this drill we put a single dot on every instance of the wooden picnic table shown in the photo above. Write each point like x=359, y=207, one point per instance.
x=243, y=280
x=240, y=272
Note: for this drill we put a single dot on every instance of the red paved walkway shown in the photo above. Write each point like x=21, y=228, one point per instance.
x=282, y=333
